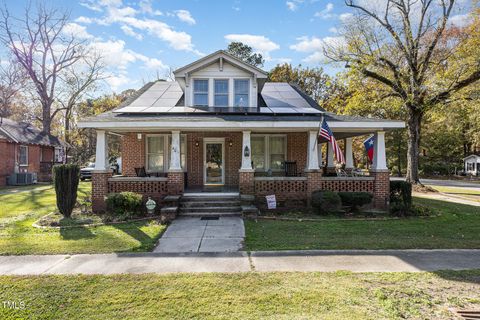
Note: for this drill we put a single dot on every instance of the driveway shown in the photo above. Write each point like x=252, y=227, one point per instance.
x=192, y=234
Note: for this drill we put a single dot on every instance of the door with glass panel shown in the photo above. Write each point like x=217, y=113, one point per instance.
x=214, y=162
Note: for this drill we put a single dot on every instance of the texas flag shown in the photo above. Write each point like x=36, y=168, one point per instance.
x=369, y=147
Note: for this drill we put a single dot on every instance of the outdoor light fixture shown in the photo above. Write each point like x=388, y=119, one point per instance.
x=230, y=143
x=246, y=152
x=139, y=136
x=150, y=206
x=196, y=143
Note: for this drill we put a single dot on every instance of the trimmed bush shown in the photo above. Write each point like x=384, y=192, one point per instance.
x=124, y=205
x=400, y=198
x=326, y=202
x=355, y=200
x=66, y=178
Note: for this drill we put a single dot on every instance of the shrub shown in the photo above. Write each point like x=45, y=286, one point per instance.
x=355, y=200
x=66, y=178
x=400, y=198
x=325, y=202
x=124, y=205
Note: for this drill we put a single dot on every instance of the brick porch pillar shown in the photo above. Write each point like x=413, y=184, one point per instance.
x=100, y=189
x=314, y=183
x=381, y=186
x=175, y=182
x=246, y=183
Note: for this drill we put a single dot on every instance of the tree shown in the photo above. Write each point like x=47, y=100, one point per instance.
x=312, y=81
x=402, y=45
x=245, y=53
x=11, y=81
x=43, y=49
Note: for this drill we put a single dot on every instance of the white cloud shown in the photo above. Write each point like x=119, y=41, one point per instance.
x=460, y=20
x=282, y=60
x=85, y=20
x=129, y=32
x=185, y=16
x=260, y=44
x=333, y=30
x=292, y=6
x=326, y=13
x=74, y=29
x=146, y=7
x=346, y=17
x=314, y=46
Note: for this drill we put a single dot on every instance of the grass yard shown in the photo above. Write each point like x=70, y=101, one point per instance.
x=458, y=226
x=460, y=192
x=18, y=211
x=338, y=295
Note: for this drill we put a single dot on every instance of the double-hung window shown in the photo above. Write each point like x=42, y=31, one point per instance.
x=23, y=156
x=158, y=148
x=268, y=152
x=200, y=92
x=241, y=89
x=221, y=93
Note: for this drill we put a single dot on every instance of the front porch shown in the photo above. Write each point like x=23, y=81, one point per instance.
x=160, y=163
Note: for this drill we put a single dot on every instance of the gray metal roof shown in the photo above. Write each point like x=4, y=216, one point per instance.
x=25, y=133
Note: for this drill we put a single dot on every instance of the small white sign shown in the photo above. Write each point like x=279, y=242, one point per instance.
x=271, y=201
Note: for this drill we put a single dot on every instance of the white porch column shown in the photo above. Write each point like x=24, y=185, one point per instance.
x=312, y=151
x=246, y=151
x=330, y=156
x=101, y=152
x=348, y=153
x=379, y=156
x=175, y=164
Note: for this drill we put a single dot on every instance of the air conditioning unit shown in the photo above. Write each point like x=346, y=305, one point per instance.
x=18, y=179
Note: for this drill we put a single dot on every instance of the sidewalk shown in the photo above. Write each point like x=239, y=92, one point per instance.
x=267, y=261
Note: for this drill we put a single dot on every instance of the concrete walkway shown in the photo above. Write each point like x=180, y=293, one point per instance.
x=192, y=234
x=322, y=260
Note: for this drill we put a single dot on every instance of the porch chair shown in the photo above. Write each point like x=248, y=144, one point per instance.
x=290, y=168
x=341, y=173
x=140, y=172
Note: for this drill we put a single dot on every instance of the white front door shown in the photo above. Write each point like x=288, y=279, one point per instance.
x=213, y=159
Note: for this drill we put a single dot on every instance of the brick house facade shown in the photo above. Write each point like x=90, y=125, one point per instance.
x=220, y=124
x=25, y=149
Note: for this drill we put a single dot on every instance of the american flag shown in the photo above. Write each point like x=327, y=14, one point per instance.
x=326, y=133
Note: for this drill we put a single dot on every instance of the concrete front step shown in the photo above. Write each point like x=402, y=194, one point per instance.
x=207, y=199
x=217, y=204
x=206, y=214
x=211, y=209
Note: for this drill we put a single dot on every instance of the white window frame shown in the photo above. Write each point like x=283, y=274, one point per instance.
x=202, y=92
x=167, y=138
x=222, y=94
x=20, y=155
x=267, y=150
x=248, y=91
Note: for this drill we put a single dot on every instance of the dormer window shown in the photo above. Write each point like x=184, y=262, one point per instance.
x=221, y=93
x=200, y=92
x=241, y=89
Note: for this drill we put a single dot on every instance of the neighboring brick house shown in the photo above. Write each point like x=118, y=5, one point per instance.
x=222, y=124
x=26, y=149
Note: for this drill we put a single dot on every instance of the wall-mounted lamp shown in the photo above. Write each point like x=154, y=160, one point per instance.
x=197, y=143
x=230, y=143
x=139, y=136
x=246, y=152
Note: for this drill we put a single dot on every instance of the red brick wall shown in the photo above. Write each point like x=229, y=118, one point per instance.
x=175, y=183
x=99, y=190
x=247, y=182
x=381, y=189
x=133, y=153
x=348, y=185
x=7, y=160
x=297, y=143
x=154, y=189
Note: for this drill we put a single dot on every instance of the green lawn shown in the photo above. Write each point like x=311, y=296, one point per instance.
x=465, y=193
x=19, y=210
x=338, y=295
x=458, y=226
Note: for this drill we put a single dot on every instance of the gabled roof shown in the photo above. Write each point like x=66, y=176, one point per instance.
x=25, y=133
x=211, y=58
x=472, y=156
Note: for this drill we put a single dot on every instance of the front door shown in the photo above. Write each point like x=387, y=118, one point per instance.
x=213, y=162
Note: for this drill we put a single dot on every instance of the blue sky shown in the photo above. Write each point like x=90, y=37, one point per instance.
x=142, y=38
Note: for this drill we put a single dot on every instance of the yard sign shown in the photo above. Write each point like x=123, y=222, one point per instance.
x=271, y=201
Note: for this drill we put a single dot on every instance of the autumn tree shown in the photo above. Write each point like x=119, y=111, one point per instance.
x=245, y=53
x=43, y=49
x=12, y=80
x=401, y=45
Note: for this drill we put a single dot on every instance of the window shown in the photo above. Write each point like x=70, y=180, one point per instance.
x=241, y=92
x=268, y=152
x=23, y=156
x=200, y=92
x=156, y=153
x=277, y=152
x=258, y=152
x=221, y=93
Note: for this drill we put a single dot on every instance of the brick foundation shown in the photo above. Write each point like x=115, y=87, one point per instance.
x=381, y=189
x=246, y=182
x=175, y=183
x=157, y=189
x=99, y=190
